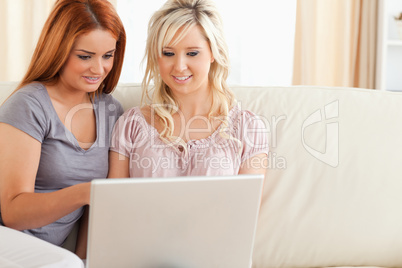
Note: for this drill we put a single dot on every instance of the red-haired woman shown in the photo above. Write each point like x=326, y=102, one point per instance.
x=55, y=127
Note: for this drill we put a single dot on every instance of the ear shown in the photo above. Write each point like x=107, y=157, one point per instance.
x=212, y=59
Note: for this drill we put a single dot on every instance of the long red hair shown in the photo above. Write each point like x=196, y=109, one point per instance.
x=68, y=20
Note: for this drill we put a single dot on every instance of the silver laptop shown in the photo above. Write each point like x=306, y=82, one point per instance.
x=182, y=222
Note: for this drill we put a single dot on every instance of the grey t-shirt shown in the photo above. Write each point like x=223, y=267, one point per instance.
x=62, y=162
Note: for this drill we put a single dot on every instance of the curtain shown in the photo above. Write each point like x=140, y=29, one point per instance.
x=335, y=43
x=21, y=22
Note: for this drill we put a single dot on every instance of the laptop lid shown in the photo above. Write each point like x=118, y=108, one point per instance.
x=182, y=222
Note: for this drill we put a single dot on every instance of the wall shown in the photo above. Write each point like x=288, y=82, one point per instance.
x=260, y=36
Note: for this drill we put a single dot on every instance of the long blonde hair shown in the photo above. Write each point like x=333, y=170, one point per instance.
x=163, y=26
x=68, y=20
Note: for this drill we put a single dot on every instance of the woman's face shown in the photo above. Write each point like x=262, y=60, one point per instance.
x=184, y=67
x=89, y=62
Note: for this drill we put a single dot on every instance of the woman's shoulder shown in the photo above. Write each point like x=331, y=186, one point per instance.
x=134, y=115
x=28, y=109
x=237, y=112
x=31, y=96
x=240, y=118
x=109, y=103
x=34, y=90
x=133, y=124
x=133, y=112
x=146, y=112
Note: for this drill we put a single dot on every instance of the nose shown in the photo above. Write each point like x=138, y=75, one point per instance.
x=180, y=63
x=97, y=66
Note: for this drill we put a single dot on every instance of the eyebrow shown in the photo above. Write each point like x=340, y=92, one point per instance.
x=93, y=53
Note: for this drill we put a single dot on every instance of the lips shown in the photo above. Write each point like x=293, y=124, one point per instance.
x=91, y=79
x=182, y=79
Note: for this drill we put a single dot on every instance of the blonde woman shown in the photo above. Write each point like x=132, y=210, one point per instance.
x=190, y=123
x=55, y=128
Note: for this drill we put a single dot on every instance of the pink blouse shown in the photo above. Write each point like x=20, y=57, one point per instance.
x=219, y=154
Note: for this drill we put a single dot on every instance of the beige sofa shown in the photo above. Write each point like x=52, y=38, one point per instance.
x=333, y=191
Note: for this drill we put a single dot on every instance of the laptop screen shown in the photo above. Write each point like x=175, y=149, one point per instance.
x=188, y=222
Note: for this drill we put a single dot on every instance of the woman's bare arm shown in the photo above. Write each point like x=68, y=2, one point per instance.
x=21, y=207
x=255, y=165
x=82, y=238
x=118, y=166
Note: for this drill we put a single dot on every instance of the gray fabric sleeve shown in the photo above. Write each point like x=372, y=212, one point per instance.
x=25, y=113
x=120, y=109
